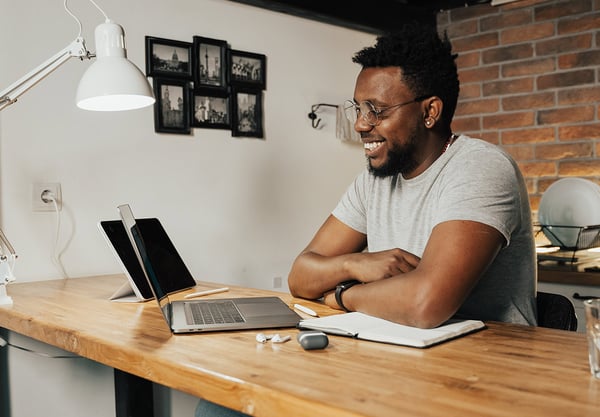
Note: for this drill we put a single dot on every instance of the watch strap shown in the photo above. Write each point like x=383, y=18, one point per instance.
x=340, y=288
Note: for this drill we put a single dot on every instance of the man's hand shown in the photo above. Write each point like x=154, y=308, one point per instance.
x=336, y=254
x=369, y=267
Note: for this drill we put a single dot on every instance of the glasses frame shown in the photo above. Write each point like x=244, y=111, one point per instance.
x=375, y=110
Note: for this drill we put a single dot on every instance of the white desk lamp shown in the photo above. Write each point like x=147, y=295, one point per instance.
x=112, y=83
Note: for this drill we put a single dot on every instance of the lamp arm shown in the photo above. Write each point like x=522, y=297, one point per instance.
x=13, y=92
x=4, y=240
x=7, y=262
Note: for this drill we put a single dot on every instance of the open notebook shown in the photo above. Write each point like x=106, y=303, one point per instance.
x=363, y=326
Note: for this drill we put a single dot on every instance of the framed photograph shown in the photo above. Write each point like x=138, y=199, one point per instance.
x=172, y=107
x=168, y=58
x=247, y=69
x=246, y=112
x=210, y=62
x=210, y=109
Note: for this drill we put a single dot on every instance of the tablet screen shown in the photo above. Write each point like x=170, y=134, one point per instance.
x=168, y=265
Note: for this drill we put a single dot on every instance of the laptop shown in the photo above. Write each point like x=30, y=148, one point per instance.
x=204, y=315
x=167, y=259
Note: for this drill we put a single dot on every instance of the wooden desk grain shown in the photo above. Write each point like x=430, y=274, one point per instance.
x=504, y=370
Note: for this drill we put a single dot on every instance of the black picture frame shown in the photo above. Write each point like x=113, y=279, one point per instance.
x=247, y=69
x=168, y=58
x=246, y=112
x=210, y=109
x=172, y=106
x=210, y=62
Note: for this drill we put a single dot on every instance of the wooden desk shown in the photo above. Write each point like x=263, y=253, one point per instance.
x=504, y=370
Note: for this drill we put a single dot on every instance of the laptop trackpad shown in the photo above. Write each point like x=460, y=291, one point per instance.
x=260, y=306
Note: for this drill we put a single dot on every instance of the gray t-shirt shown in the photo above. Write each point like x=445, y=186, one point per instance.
x=473, y=180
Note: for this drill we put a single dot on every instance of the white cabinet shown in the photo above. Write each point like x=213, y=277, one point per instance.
x=45, y=386
x=572, y=292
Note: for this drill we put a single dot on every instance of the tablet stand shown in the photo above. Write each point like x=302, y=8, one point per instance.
x=126, y=294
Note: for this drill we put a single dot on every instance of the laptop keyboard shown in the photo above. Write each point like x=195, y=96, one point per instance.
x=217, y=312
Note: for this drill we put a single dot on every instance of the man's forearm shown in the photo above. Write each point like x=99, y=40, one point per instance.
x=312, y=274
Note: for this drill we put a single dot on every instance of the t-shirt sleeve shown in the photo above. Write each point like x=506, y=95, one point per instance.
x=486, y=193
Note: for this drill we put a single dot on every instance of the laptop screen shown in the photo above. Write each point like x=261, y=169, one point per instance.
x=162, y=254
x=159, y=292
x=138, y=243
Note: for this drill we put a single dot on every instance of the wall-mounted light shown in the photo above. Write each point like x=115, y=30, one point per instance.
x=111, y=83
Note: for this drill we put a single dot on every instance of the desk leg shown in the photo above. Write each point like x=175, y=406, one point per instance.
x=133, y=396
x=4, y=387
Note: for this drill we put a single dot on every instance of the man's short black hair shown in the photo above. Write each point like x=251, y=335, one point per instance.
x=426, y=59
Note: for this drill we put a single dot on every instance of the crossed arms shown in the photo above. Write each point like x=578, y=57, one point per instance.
x=397, y=285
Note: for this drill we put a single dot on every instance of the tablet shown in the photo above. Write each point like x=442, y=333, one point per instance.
x=161, y=250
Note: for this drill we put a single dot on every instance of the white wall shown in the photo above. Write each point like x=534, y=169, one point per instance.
x=238, y=210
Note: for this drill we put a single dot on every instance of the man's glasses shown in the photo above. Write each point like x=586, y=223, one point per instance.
x=368, y=111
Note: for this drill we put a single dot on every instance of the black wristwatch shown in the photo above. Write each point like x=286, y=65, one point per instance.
x=340, y=288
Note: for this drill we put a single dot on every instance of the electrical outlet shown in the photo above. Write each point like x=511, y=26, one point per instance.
x=277, y=282
x=39, y=190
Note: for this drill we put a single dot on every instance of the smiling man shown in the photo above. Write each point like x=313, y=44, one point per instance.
x=439, y=225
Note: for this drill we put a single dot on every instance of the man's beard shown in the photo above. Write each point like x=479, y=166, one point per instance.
x=399, y=159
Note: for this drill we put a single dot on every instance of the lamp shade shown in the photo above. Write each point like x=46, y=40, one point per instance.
x=113, y=82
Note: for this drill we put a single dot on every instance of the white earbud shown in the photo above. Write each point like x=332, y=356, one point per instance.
x=276, y=338
x=262, y=338
x=280, y=339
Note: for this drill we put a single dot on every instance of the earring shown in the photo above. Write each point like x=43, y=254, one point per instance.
x=428, y=122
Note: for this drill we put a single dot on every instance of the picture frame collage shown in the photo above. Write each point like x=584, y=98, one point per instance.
x=206, y=84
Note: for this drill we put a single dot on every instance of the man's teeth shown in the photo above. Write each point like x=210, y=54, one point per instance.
x=372, y=145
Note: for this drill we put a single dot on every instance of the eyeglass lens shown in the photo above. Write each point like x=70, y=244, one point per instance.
x=366, y=110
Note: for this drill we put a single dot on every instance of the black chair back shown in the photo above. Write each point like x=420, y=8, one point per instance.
x=556, y=312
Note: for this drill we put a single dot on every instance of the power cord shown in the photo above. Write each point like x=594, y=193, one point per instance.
x=43, y=354
x=48, y=197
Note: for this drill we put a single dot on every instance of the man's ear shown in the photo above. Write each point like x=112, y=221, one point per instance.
x=432, y=110
x=433, y=107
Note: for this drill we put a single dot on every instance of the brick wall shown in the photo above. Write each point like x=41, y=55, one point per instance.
x=530, y=83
